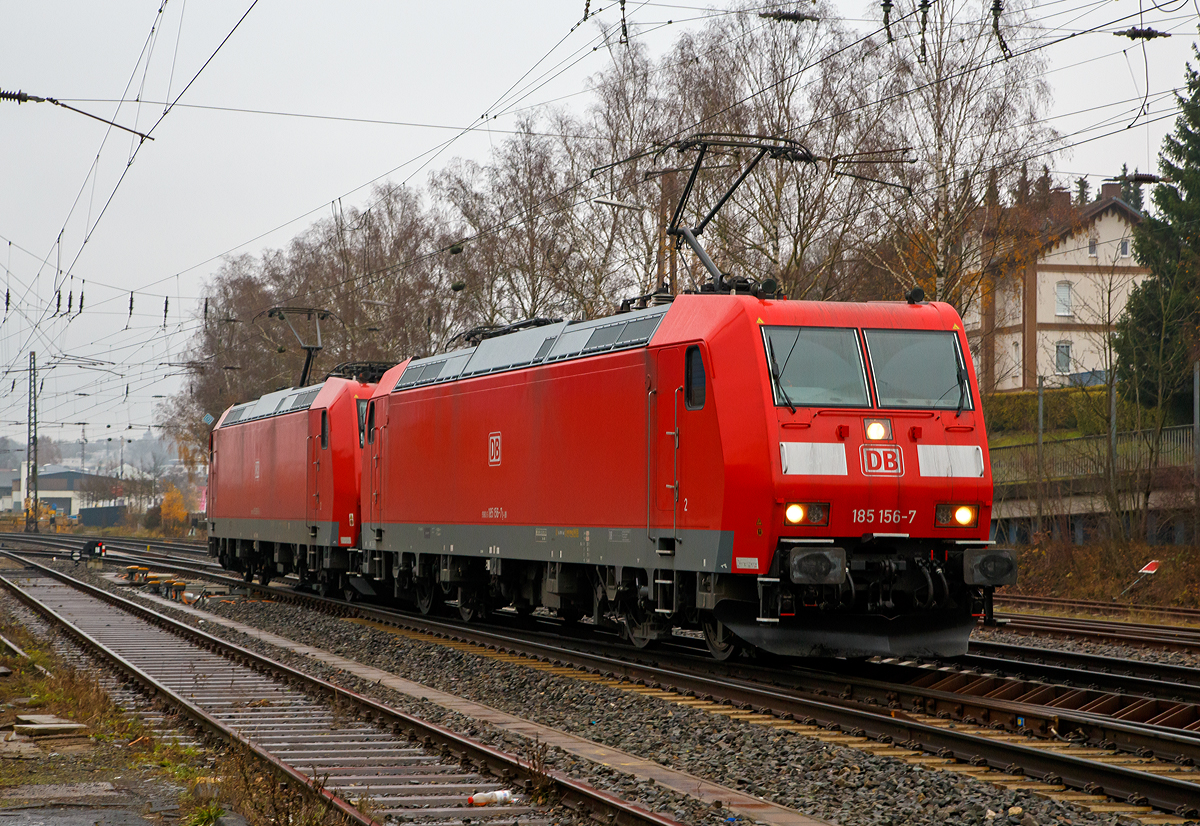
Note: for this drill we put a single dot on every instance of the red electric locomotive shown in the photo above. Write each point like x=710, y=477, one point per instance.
x=284, y=475
x=806, y=478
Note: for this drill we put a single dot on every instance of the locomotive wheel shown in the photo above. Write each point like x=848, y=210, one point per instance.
x=264, y=578
x=349, y=594
x=428, y=598
x=640, y=627
x=470, y=606
x=639, y=638
x=722, y=643
x=248, y=575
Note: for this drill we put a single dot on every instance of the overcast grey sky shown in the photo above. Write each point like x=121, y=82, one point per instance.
x=234, y=168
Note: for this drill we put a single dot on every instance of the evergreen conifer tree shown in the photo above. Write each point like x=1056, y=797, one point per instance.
x=1083, y=191
x=1156, y=340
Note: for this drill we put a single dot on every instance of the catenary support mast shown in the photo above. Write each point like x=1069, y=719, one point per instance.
x=31, y=456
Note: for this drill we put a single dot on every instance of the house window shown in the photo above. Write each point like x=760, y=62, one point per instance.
x=1062, y=358
x=1092, y=247
x=1124, y=247
x=1062, y=298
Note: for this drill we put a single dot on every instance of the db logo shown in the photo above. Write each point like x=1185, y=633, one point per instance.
x=882, y=460
x=494, y=448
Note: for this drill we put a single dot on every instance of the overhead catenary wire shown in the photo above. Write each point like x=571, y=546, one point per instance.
x=131, y=314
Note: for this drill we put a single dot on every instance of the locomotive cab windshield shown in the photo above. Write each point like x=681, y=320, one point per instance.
x=816, y=367
x=918, y=368
x=824, y=367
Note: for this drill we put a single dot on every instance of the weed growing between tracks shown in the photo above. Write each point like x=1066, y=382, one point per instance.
x=117, y=746
x=248, y=787
x=61, y=690
x=536, y=754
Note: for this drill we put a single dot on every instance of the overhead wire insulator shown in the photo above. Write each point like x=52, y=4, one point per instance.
x=166, y=304
x=997, y=10
x=1141, y=34
x=70, y=302
x=788, y=16
x=81, y=297
x=887, y=20
x=624, y=41
x=925, y=4
x=20, y=97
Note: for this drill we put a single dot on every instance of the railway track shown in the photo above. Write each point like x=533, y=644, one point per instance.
x=137, y=550
x=1134, y=634
x=1099, y=607
x=1076, y=722
x=338, y=744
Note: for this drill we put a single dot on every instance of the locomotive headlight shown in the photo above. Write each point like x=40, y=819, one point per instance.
x=956, y=516
x=878, y=430
x=807, y=513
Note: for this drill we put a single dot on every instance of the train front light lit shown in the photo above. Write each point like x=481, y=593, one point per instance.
x=956, y=516
x=878, y=430
x=806, y=513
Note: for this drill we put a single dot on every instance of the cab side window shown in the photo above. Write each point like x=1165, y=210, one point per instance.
x=324, y=429
x=371, y=424
x=694, y=382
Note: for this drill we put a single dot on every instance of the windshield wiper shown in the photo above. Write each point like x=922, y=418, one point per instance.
x=962, y=391
x=775, y=373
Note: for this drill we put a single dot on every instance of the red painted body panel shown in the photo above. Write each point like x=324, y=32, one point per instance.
x=259, y=469
x=580, y=441
x=751, y=429
x=572, y=439
x=276, y=470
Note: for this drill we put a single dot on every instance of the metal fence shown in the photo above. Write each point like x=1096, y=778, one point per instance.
x=1088, y=456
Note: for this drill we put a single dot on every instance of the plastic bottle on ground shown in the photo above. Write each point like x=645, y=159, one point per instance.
x=485, y=798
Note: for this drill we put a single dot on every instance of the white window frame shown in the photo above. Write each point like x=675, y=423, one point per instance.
x=1093, y=247
x=1058, y=350
x=1126, y=248
x=1064, y=309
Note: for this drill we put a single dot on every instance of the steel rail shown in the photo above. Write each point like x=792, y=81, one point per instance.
x=860, y=695
x=194, y=713
x=885, y=724
x=573, y=792
x=1137, y=635
x=1075, y=668
x=1098, y=606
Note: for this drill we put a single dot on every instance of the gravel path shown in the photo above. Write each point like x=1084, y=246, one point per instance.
x=826, y=781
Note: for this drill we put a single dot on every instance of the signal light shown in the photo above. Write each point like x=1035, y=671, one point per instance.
x=878, y=430
x=956, y=516
x=806, y=513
